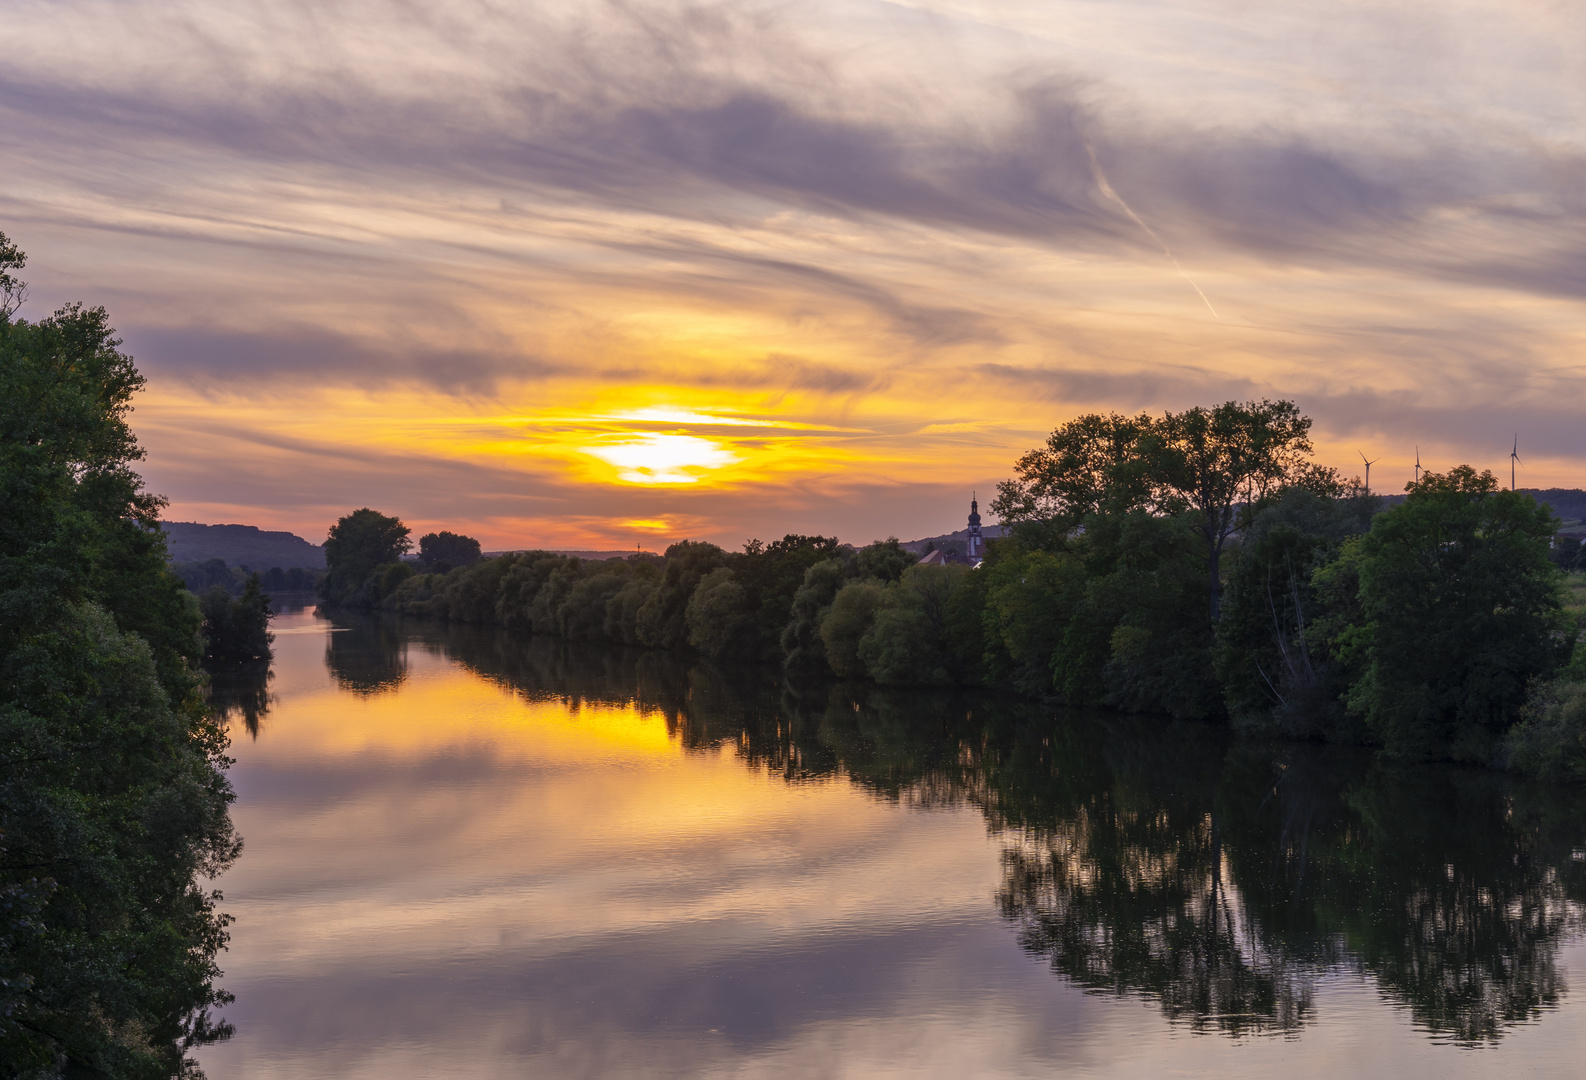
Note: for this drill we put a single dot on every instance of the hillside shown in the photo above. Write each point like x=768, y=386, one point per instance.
x=1568, y=503
x=954, y=540
x=240, y=545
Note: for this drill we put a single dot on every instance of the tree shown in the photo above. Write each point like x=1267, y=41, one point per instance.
x=113, y=795
x=355, y=548
x=236, y=631
x=1224, y=463
x=1219, y=464
x=1443, y=613
x=439, y=552
x=885, y=560
x=720, y=619
x=801, y=637
x=1087, y=466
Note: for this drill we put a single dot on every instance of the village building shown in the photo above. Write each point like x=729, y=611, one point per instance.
x=975, y=544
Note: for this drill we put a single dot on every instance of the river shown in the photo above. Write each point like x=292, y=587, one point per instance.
x=474, y=854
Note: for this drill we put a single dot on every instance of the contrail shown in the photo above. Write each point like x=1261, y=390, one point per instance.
x=1107, y=190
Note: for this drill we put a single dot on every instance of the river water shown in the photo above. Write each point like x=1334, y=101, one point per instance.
x=473, y=854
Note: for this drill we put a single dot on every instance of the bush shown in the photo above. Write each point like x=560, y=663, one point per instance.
x=1550, y=739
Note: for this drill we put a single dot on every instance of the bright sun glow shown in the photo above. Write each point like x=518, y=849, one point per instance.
x=663, y=459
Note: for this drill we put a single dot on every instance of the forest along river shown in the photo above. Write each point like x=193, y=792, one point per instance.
x=474, y=854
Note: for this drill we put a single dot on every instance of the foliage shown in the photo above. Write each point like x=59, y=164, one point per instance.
x=850, y=618
x=1550, y=739
x=236, y=631
x=802, y=647
x=199, y=576
x=1443, y=613
x=885, y=560
x=358, y=546
x=1270, y=662
x=290, y=579
x=113, y=797
x=720, y=622
x=439, y=552
x=1126, y=534
x=1215, y=466
x=911, y=641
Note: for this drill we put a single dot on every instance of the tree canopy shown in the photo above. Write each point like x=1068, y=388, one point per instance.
x=113, y=796
x=357, y=545
x=1217, y=465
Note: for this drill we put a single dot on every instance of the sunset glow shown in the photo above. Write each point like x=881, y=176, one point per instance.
x=751, y=273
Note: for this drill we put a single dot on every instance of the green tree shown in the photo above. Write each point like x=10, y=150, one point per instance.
x=852, y=614
x=1443, y=613
x=1219, y=465
x=1224, y=463
x=1088, y=466
x=1270, y=660
x=113, y=796
x=359, y=544
x=910, y=643
x=885, y=560
x=720, y=619
x=801, y=638
x=236, y=630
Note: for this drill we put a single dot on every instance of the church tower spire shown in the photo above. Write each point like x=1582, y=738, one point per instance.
x=977, y=543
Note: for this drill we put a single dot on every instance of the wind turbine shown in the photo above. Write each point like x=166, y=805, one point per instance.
x=1514, y=456
x=1369, y=464
x=1418, y=463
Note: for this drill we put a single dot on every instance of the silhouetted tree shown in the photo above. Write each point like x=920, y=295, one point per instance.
x=357, y=546
x=440, y=552
x=236, y=631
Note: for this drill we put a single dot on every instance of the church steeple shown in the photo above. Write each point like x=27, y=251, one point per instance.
x=977, y=545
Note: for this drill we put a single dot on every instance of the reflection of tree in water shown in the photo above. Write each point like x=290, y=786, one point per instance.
x=241, y=690
x=1453, y=888
x=366, y=655
x=1220, y=879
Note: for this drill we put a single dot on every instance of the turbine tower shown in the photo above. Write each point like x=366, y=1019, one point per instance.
x=1369, y=464
x=1418, y=463
x=1514, y=456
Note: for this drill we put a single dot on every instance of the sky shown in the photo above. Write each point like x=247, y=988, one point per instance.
x=605, y=274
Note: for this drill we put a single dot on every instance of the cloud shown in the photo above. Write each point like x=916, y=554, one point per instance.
x=856, y=216
x=219, y=357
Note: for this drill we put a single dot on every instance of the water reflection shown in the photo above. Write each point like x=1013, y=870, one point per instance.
x=1220, y=879
x=242, y=691
x=367, y=656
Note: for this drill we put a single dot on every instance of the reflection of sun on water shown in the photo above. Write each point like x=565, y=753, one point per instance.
x=441, y=706
x=663, y=459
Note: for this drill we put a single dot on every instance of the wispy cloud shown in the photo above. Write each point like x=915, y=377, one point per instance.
x=869, y=219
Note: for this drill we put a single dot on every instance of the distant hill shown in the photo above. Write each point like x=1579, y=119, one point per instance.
x=240, y=545
x=952, y=540
x=591, y=556
x=1567, y=503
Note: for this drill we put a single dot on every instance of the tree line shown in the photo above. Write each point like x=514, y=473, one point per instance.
x=113, y=793
x=1198, y=565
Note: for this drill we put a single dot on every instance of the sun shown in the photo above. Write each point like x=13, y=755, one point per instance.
x=658, y=458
